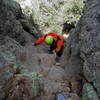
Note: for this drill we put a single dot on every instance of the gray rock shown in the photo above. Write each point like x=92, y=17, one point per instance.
x=11, y=20
x=56, y=73
x=84, y=43
x=83, y=50
x=8, y=63
x=13, y=6
x=28, y=27
x=8, y=49
x=73, y=66
x=89, y=92
x=51, y=86
x=6, y=72
x=35, y=82
x=40, y=62
x=22, y=86
x=89, y=41
x=74, y=96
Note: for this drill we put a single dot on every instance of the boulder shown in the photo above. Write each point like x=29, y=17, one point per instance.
x=11, y=22
x=22, y=87
x=56, y=73
x=89, y=92
x=84, y=46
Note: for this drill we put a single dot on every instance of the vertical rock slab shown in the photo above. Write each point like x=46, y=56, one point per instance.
x=89, y=92
x=85, y=42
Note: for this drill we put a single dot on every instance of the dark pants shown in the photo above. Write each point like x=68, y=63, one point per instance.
x=53, y=47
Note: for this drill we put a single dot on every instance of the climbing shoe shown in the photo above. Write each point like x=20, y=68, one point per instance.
x=59, y=96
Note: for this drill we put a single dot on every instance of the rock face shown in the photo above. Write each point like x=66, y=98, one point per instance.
x=11, y=19
x=84, y=43
x=56, y=73
x=13, y=36
x=21, y=87
x=18, y=59
x=89, y=93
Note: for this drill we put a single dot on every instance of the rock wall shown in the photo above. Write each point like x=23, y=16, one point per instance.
x=82, y=50
x=13, y=23
x=15, y=33
x=84, y=43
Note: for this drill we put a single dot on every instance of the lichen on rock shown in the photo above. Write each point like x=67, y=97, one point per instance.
x=22, y=87
x=89, y=92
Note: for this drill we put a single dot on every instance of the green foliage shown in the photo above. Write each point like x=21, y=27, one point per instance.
x=73, y=9
x=51, y=14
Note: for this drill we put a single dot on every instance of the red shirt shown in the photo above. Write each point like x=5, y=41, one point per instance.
x=55, y=36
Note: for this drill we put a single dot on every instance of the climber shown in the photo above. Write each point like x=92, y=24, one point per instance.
x=56, y=42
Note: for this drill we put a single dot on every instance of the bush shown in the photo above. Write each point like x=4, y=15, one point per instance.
x=51, y=14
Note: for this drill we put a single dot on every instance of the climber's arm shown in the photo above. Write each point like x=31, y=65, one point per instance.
x=59, y=45
x=39, y=40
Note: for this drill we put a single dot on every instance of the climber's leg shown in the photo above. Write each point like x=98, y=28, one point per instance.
x=58, y=55
x=52, y=47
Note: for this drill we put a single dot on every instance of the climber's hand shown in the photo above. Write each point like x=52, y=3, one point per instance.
x=54, y=52
x=34, y=44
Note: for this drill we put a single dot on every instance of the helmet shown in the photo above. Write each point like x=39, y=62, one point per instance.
x=49, y=40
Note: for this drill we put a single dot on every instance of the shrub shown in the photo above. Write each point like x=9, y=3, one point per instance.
x=51, y=14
